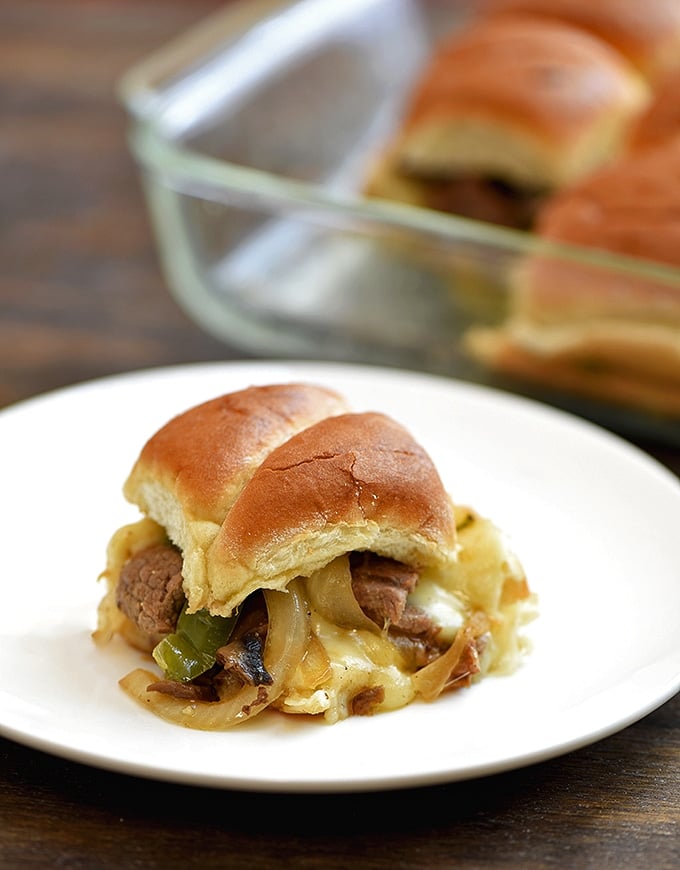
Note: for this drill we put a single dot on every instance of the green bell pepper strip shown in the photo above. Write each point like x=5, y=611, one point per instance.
x=190, y=650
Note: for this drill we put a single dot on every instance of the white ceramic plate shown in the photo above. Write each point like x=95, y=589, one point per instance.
x=593, y=519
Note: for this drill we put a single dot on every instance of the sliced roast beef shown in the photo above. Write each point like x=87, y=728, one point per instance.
x=365, y=701
x=416, y=651
x=415, y=623
x=381, y=586
x=149, y=589
x=484, y=199
x=189, y=691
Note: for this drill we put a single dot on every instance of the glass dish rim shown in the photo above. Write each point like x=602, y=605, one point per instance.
x=188, y=171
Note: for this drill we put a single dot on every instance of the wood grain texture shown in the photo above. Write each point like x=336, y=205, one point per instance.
x=81, y=295
x=611, y=805
x=81, y=292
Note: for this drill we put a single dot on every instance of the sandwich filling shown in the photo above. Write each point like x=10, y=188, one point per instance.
x=483, y=198
x=364, y=634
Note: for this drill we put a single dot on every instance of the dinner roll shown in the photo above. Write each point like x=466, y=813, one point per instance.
x=189, y=491
x=659, y=123
x=584, y=325
x=647, y=33
x=349, y=482
x=535, y=102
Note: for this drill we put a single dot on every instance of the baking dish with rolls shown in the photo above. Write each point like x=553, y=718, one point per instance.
x=562, y=117
x=391, y=183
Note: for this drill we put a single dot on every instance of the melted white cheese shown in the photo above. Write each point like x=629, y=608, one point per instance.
x=443, y=607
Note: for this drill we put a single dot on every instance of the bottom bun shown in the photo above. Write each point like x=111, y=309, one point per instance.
x=635, y=366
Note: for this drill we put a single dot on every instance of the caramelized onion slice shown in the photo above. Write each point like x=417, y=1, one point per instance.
x=433, y=679
x=330, y=593
x=288, y=637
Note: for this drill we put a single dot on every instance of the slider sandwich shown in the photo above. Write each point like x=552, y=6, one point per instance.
x=508, y=111
x=295, y=556
x=605, y=329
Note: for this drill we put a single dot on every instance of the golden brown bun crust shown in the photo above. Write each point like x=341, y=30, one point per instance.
x=229, y=436
x=609, y=334
x=659, y=124
x=647, y=32
x=354, y=481
x=189, y=473
x=353, y=468
x=630, y=207
x=546, y=76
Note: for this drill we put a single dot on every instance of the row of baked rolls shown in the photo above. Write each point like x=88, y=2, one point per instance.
x=526, y=100
x=313, y=566
x=592, y=327
x=608, y=330
x=561, y=116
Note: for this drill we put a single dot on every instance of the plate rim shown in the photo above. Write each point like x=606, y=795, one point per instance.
x=324, y=372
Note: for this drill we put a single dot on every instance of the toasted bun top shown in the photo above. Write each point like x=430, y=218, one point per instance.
x=190, y=472
x=350, y=482
x=204, y=455
x=647, y=32
x=630, y=207
x=545, y=75
x=534, y=101
x=659, y=123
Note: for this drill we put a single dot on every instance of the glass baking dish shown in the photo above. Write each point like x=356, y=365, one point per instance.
x=254, y=133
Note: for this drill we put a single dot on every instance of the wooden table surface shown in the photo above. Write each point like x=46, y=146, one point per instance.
x=82, y=296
